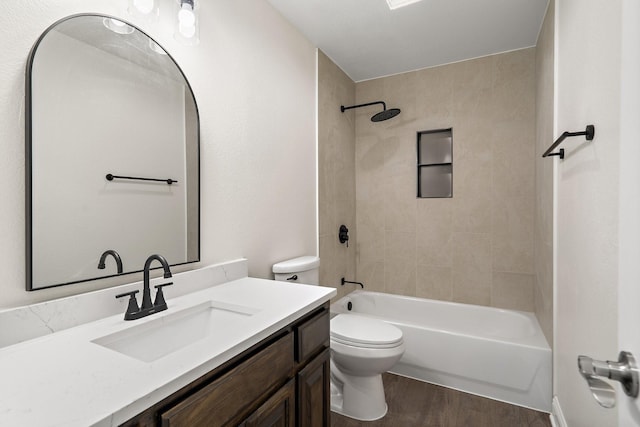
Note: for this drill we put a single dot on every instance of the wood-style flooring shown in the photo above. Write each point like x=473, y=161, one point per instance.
x=417, y=404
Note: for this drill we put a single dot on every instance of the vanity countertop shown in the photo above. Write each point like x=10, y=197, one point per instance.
x=64, y=379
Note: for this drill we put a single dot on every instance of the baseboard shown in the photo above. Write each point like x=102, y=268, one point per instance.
x=556, y=416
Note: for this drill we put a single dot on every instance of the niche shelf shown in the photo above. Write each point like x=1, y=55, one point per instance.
x=435, y=163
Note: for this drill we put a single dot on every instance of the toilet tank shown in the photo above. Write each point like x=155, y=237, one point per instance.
x=304, y=269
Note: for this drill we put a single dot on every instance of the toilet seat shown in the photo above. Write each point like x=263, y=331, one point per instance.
x=360, y=331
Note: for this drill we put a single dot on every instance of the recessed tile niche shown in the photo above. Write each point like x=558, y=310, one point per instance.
x=435, y=163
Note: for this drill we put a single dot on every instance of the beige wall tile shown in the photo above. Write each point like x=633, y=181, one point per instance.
x=372, y=276
x=326, y=260
x=513, y=234
x=435, y=214
x=473, y=213
x=434, y=283
x=472, y=252
x=336, y=174
x=369, y=214
x=435, y=248
x=434, y=244
x=434, y=98
x=544, y=172
x=448, y=248
x=467, y=248
x=513, y=81
x=544, y=312
x=513, y=291
x=472, y=276
x=472, y=288
x=399, y=279
x=370, y=244
x=400, y=205
x=400, y=249
x=369, y=169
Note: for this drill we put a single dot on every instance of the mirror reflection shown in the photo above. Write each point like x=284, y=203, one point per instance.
x=112, y=154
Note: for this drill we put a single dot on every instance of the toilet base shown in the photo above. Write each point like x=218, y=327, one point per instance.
x=360, y=398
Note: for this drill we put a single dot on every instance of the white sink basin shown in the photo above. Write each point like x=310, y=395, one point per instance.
x=164, y=335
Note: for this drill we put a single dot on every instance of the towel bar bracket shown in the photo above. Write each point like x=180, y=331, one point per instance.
x=559, y=154
x=588, y=133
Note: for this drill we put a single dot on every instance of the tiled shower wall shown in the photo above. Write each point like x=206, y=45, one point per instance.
x=543, y=290
x=336, y=174
x=477, y=247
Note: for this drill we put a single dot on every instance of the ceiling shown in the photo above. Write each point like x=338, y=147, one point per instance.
x=368, y=40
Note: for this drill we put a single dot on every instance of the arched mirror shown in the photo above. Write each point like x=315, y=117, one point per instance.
x=112, y=154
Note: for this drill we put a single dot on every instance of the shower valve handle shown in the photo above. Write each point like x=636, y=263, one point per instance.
x=343, y=234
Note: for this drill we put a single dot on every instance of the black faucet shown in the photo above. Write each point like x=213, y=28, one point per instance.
x=133, y=311
x=115, y=255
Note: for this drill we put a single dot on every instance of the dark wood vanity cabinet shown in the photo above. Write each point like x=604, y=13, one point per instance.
x=281, y=381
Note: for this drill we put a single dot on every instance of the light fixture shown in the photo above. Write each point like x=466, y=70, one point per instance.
x=394, y=4
x=145, y=9
x=117, y=26
x=187, y=23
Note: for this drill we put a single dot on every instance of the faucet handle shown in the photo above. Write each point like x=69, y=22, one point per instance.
x=160, y=304
x=133, y=304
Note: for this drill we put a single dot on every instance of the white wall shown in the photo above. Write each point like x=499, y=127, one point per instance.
x=253, y=76
x=628, y=289
x=588, y=85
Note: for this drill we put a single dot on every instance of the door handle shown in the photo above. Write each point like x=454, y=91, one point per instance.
x=624, y=370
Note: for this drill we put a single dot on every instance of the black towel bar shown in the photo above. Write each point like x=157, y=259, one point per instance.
x=589, y=132
x=111, y=177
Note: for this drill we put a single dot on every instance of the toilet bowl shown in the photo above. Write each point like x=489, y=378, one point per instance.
x=361, y=350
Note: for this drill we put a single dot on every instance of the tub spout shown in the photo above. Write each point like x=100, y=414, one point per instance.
x=348, y=281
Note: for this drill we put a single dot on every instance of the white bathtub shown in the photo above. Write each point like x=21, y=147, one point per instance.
x=500, y=354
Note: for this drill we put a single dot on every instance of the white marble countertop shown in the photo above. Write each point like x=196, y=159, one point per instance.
x=64, y=379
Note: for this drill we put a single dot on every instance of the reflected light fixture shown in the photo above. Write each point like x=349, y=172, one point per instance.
x=156, y=47
x=187, y=25
x=395, y=4
x=117, y=26
x=146, y=9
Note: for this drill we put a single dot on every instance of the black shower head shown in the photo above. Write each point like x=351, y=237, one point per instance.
x=378, y=117
x=385, y=115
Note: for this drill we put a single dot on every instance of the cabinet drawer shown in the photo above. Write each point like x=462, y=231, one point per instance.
x=228, y=399
x=312, y=335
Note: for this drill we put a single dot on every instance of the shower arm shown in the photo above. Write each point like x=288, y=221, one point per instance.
x=343, y=108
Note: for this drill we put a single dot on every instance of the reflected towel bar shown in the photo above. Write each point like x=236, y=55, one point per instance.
x=111, y=177
x=589, y=132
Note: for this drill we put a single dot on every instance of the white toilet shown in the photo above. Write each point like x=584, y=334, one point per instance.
x=361, y=350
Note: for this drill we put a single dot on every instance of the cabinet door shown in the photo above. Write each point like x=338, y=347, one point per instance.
x=314, y=394
x=278, y=411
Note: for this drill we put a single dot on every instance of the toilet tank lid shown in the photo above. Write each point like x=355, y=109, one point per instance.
x=299, y=264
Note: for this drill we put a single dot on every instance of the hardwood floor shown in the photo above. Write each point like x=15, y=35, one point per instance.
x=416, y=404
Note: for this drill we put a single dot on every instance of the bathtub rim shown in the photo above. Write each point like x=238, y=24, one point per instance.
x=535, y=341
